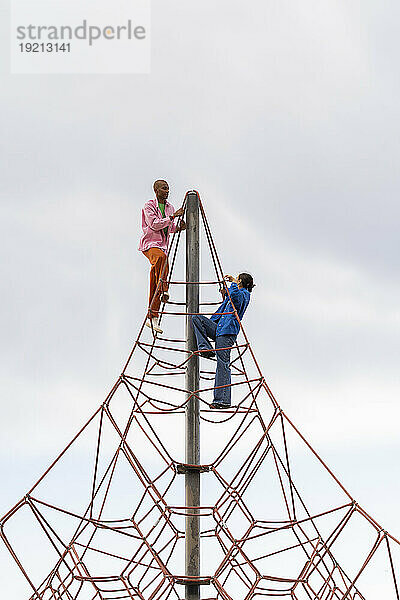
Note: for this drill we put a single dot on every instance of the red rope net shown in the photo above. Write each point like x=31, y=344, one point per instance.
x=106, y=521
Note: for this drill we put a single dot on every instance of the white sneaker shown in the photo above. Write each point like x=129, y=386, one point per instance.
x=153, y=325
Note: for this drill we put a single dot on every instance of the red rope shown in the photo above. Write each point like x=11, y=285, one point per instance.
x=144, y=544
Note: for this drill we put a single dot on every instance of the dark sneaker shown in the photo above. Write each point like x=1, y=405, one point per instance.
x=219, y=405
x=208, y=354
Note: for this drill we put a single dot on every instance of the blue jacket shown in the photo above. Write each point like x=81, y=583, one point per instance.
x=228, y=324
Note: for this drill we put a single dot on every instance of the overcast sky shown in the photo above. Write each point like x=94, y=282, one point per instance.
x=285, y=116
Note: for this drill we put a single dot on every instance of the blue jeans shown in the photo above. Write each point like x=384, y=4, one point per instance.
x=204, y=329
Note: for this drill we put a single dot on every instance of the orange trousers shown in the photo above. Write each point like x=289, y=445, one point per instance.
x=158, y=260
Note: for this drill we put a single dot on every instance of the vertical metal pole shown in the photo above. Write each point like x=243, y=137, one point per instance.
x=192, y=478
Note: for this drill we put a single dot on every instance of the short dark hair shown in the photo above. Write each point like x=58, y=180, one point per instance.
x=158, y=182
x=247, y=281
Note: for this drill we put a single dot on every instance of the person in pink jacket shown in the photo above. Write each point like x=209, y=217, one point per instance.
x=158, y=222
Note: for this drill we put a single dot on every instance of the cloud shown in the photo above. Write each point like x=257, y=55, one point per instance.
x=285, y=115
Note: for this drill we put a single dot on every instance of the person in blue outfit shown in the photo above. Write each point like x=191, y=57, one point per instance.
x=223, y=328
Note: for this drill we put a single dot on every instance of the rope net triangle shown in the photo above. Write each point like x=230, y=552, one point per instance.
x=106, y=521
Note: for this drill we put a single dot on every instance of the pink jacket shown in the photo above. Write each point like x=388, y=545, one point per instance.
x=153, y=224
